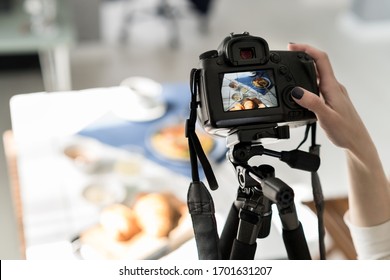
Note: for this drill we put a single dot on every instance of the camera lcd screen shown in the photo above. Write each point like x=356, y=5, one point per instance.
x=252, y=90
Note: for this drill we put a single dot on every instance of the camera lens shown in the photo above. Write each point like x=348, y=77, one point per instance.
x=247, y=53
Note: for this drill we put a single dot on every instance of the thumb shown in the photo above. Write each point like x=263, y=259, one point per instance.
x=308, y=100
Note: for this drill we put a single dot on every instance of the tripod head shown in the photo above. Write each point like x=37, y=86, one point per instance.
x=246, y=143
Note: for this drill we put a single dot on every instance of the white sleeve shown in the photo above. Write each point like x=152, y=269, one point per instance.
x=370, y=242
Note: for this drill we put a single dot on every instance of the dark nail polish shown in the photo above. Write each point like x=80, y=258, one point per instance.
x=297, y=92
x=291, y=43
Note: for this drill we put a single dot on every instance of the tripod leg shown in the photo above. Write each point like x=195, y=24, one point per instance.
x=244, y=246
x=238, y=238
x=296, y=245
x=229, y=233
x=243, y=251
x=293, y=235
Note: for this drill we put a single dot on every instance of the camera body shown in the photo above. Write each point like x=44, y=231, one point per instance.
x=245, y=84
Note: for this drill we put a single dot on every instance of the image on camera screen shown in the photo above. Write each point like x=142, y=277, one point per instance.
x=248, y=90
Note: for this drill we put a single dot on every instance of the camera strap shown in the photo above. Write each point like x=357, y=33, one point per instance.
x=199, y=200
x=195, y=147
x=318, y=196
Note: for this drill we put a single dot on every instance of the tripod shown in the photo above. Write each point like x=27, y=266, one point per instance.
x=250, y=215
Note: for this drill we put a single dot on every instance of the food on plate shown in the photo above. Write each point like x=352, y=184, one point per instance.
x=170, y=141
x=87, y=155
x=247, y=104
x=237, y=107
x=233, y=85
x=104, y=191
x=157, y=213
x=153, y=214
x=260, y=82
x=130, y=166
x=119, y=222
x=152, y=225
x=236, y=97
x=80, y=154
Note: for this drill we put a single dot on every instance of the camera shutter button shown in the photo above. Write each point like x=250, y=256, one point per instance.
x=304, y=56
x=308, y=57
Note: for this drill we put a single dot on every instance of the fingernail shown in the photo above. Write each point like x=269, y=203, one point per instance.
x=291, y=43
x=297, y=92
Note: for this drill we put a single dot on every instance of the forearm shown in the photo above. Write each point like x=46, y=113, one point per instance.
x=369, y=194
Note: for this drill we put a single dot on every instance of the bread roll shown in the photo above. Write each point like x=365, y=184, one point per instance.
x=157, y=213
x=119, y=222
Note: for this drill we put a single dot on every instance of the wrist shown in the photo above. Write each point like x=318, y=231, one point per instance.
x=366, y=157
x=362, y=148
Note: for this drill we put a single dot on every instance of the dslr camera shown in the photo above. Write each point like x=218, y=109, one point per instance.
x=244, y=84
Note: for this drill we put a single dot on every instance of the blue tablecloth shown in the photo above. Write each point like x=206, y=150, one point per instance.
x=122, y=134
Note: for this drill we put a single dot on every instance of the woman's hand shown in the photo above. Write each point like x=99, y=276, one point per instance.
x=335, y=112
x=369, y=191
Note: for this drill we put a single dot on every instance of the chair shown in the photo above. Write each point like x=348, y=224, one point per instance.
x=335, y=226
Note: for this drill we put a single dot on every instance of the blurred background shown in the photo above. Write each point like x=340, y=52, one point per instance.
x=54, y=45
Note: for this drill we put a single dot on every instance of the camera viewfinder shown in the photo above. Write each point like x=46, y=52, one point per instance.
x=247, y=53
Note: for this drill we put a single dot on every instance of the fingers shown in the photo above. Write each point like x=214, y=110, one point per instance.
x=321, y=59
x=323, y=65
x=310, y=101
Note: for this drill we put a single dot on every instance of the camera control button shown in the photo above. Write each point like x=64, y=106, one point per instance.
x=289, y=78
x=283, y=70
x=288, y=100
x=294, y=114
x=275, y=58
